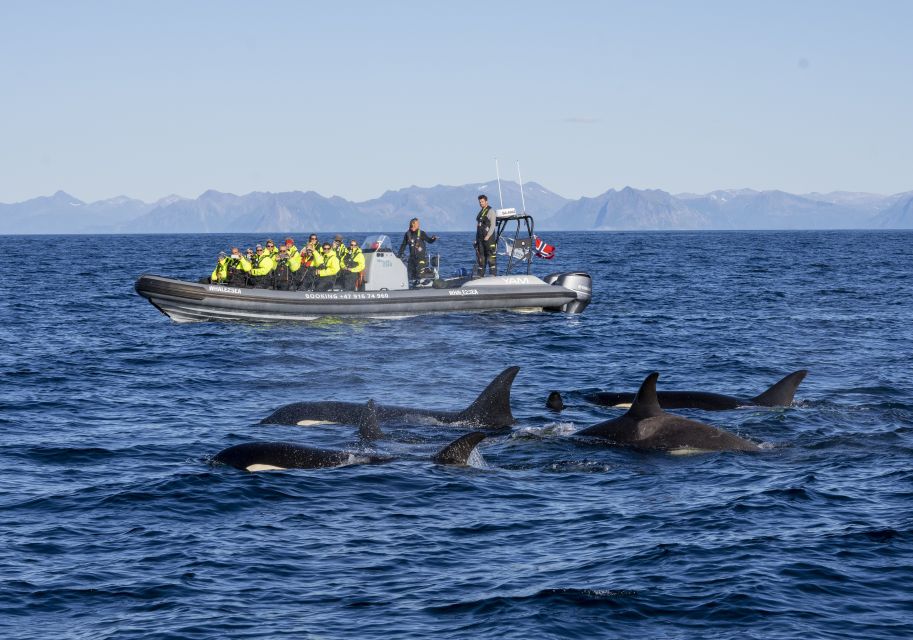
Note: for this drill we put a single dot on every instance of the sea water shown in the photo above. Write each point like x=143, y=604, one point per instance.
x=115, y=525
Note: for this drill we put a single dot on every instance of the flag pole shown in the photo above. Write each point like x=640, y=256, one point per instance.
x=520, y=177
x=498, y=173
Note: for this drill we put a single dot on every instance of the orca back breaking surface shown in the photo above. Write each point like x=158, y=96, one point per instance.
x=491, y=409
x=274, y=456
x=280, y=455
x=778, y=395
x=647, y=426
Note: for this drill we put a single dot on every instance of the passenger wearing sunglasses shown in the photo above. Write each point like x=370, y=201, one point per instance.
x=353, y=265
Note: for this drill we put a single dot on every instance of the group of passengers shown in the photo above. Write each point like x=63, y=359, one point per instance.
x=323, y=267
x=315, y=267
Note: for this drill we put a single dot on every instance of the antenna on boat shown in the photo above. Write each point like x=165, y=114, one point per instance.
x=520, y=178
x=498, y=172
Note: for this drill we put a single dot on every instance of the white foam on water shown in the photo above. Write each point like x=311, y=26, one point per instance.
x=476, y=459
x=551, y=429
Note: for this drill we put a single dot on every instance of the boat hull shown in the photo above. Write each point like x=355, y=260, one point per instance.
x=191, y=302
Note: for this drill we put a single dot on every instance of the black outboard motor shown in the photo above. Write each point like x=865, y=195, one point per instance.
x=579, y=283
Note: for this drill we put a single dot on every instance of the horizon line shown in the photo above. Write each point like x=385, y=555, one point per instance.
x=468, y=184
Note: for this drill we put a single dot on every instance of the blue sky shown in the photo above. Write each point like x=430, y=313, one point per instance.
x=353, y=98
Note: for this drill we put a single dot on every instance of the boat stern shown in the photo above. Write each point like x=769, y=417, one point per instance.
x=578, y=282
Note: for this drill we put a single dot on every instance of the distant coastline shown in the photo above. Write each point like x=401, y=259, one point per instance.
x=450, y=208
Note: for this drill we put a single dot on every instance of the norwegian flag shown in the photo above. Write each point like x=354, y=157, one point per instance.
x=543, y=249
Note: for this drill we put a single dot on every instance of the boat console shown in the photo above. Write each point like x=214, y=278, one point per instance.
x=384, y=271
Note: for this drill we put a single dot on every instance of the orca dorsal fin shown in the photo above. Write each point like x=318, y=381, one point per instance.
x=554, y=401
x=781, y=394
x=492, y=407
x=458, y=451
x=368, y=429
x=646, y=404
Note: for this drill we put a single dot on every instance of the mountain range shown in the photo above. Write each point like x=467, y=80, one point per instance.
x=453, y=208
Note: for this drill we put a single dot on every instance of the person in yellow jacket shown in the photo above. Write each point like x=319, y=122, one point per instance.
x=220, y=273
x=327, y=271
x=339, y=247
x=271, y=249
x=353, y=264
x=261, y=267
x=283, y=277
x=311, y=259
x=290, y=247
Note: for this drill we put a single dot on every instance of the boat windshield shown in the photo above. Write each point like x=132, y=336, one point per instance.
x=377, y=243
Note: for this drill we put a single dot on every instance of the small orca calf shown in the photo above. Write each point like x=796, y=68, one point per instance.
x=647, y=426
x=271, y=456
x=490, y=410
x=779, y=395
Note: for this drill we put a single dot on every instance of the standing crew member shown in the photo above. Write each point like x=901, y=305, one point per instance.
x=418, y=250
x=353, y=264
x=485, y=243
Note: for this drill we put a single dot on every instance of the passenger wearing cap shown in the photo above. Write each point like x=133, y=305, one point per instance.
x=327, y=271
x=261, y=266
x=353, y=265
x=290, y=247
x=220, y=273
x=339, y=247
x=255, y=255
x=294, y=264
